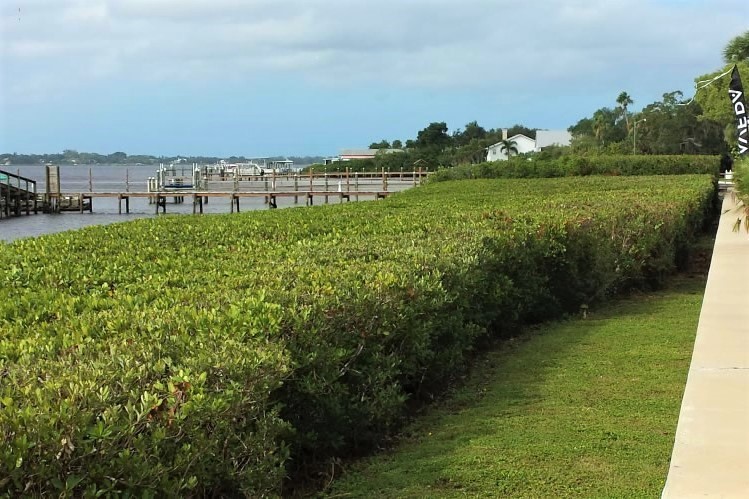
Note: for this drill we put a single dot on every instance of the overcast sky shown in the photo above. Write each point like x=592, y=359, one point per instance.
x=297, y=77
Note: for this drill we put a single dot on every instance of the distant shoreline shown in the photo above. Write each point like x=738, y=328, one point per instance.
x=74, y=158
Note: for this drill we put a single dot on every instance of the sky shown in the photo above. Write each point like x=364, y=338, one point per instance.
x=311, y=77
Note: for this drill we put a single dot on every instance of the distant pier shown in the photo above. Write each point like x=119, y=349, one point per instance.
x=198, y=185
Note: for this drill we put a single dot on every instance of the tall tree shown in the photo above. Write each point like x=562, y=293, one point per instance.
x=471, y=153
x=434, y=136
x=714, y=101
x=600, y=127
x=737, y=49
x=473, y=131
x=673, y=127
x=397, y=144
x=712, y=94
x=608, y=126
x=624, y=100
x=582, y=128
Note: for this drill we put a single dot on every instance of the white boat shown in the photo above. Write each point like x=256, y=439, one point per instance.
x=253, y=167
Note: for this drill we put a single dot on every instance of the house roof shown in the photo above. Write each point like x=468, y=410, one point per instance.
x=546, y=138
x=358, y=152
x=367, y=152
x=515, y=138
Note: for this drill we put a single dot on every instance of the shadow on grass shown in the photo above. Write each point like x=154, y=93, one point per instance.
x=571, y=408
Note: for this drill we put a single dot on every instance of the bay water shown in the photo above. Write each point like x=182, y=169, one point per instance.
x=119, y=178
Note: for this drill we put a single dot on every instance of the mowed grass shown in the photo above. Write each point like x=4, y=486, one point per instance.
x=579, y=408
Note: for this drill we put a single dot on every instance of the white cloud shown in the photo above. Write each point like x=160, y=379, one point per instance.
x=435, y=43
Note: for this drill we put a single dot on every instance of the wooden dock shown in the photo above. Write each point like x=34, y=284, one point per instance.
x=85, y=200
x=17, y=195
x=311, y=186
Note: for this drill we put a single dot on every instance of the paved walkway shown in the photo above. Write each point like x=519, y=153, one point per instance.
x=711, y=451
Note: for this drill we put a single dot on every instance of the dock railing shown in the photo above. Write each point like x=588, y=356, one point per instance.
x=17, y=194
x=197, y=182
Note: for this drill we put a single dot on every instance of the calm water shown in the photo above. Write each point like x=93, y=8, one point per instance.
x=109, y=178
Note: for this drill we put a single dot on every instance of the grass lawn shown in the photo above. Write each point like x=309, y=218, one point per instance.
x=584, y=408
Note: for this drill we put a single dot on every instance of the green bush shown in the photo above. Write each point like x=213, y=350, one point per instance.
x=104, y=396
x=565, y=166
x=213, y=355
x=741, y=179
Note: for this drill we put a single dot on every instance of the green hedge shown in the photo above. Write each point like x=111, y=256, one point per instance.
x=741, y=179
x=212, y=355
x=566, y=166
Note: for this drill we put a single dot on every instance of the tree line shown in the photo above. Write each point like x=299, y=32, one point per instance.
x=73, y=157
x=434, y=146
x=671, y=125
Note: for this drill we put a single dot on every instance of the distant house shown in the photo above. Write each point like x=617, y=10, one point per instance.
x=349, y=154
x=524, y=144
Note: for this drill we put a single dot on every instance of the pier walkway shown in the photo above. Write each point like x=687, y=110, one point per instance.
x=200, y=186
x=711, y=450
x=83, y=201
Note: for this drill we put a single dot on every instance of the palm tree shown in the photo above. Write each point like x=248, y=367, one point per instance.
x=600, y=126
x=737, y=49
x=625, y=100
x=508, y=146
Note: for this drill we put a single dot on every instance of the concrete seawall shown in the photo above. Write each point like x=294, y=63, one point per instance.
x=711, y=450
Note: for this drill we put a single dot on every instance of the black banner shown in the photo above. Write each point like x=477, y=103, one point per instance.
x=736, y=92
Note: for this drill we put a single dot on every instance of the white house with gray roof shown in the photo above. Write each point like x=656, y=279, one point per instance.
x=524, y=144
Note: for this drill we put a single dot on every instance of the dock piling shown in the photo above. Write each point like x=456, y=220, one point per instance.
x=234, y=200
x=197, y=202
x=160, y=202
x=120, y=198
